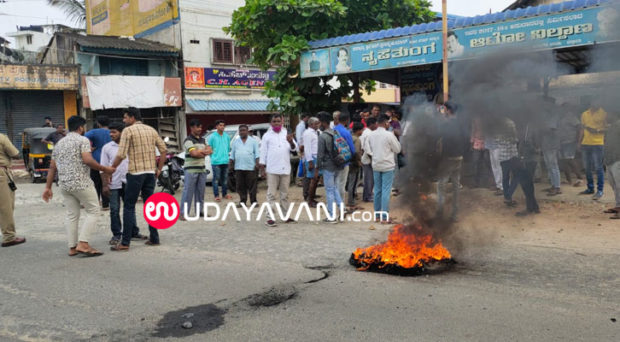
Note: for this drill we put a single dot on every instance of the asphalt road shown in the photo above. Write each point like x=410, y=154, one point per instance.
x=553, y=277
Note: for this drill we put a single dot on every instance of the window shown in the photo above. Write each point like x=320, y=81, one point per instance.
x=242, y=54
x=225, y=51
x=29, y=39
x=222, y=51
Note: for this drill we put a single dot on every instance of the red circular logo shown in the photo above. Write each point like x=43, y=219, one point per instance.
x=161, y=210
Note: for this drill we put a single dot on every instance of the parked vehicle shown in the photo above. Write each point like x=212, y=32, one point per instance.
x=171, y=174
x=37, y=155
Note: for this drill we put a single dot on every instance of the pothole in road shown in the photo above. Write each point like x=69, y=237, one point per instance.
x=208, y=317
x=202, y=318
x=274, y=296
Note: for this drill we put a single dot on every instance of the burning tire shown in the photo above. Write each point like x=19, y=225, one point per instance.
x=408, y=251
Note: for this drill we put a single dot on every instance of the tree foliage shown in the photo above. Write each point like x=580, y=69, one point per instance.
x=74, y=9
x=278, y=31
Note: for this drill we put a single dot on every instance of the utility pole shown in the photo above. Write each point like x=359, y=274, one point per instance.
x=444, y=22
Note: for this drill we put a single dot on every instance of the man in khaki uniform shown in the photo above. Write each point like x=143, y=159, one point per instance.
x=7, y=194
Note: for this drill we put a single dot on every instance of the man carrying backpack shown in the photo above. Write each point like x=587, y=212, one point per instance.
x=380, y=146
x=331, y=161
x=340, y=126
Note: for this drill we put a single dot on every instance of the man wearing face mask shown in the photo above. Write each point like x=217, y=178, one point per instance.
x=275, y=164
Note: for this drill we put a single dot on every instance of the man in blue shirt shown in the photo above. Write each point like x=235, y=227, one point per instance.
x=340, y=126
x=220, y=143
x=244, y=158
x=99, y=137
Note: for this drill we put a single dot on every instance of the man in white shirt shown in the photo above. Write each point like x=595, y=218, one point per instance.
x=114, y=187
x=311, y=148
x=366, y=164
x=275, y=163
x=299, y=137
x=381, y=145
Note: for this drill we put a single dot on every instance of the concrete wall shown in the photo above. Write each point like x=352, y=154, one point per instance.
x=39, y=40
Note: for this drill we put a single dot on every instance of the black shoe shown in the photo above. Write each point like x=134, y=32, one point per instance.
x=523, y=213
x=510, y=203
x=587, y=192
x=139, y=237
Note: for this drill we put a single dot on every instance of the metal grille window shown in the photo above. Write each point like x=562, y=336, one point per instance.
x=242, y=54
x=222, y=51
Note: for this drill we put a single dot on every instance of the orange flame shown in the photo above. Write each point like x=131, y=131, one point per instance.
x=402, y=248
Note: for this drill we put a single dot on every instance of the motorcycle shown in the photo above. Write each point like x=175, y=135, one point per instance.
x=171, y=174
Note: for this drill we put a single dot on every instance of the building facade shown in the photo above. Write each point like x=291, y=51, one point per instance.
x=218, y=83
x=117, y=73
x=31, y=92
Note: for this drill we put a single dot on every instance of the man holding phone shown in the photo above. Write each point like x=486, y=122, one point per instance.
x=275, y=163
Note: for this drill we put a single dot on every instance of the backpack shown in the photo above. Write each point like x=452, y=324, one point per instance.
x=341, y=153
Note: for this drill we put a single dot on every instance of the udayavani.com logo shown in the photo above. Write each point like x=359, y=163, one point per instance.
x=161, y=211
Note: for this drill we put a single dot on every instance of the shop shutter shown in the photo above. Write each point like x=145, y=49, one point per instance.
x=29, y=108
x=3, y=118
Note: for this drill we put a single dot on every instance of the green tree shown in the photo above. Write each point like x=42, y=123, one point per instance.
x=74, y=9
x=279, y=30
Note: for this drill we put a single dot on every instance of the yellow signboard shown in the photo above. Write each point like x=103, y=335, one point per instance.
x=129, y=17
x=38, y=77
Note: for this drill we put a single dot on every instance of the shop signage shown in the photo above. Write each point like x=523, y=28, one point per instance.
x=567, y=29
x=38, y=77
x=130, y=17
x=226, y=78
x=546, y=32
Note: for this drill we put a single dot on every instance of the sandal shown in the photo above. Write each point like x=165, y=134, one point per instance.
x=228, y=197
x=217, y=199
x=72, y=252
x=90, y=253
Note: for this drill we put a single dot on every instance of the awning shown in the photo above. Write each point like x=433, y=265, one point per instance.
x=227, y=105
x=552, y=26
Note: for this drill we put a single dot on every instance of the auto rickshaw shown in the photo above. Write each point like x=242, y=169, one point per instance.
x=37, y=155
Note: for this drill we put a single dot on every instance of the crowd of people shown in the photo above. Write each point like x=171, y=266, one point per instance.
x=114, y=164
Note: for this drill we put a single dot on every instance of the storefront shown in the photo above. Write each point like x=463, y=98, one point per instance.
x=158, y=98
x=232, y=95
x=410, y=57
x=29, y=93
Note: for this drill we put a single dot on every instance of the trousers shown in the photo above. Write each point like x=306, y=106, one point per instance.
x=73, y=201
x=7, y=206
x=246, y=185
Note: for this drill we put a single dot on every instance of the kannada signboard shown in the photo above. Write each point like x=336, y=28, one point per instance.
x=226, y=78
x=546, y=32
x=38, y=77
x=130, y=17
x=387, y=54
x=574, y=28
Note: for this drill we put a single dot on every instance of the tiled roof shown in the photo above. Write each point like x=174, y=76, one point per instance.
x=228, y=105
x=458, y=23
x=119, y=43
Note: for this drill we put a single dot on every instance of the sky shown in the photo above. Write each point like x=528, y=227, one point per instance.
x=470, y=8
x=27, y=12
x=33, y=12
